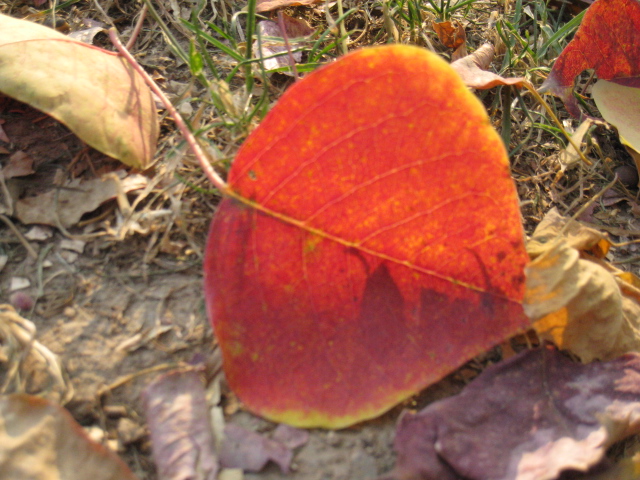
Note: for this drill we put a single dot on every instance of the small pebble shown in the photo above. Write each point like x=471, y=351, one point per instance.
x=628, y=175
x=18, y=283
x=21, y=301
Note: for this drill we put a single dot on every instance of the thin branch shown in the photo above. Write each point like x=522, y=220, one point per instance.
x=546, y=106
x=211, y=174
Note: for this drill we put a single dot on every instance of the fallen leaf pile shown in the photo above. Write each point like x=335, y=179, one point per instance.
x=358, y=256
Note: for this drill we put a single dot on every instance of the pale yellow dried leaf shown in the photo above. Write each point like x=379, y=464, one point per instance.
x=570, y=156
x=578, y=303
x=620, y=106
x=40, y=440
x=93, y=92
x=577, y=236
x=65, y=206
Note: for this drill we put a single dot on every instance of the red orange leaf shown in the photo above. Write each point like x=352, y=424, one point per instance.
x=608, y=41
x=373, y=245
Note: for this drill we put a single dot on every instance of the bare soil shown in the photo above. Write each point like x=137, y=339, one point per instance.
x=125, y=310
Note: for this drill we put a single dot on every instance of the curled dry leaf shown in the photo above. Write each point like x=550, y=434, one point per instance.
x=472, y=69
x=92, y=91
x=608, y=40
x=40, y=440
x=182, y=439
x=268, y=5
x=527, y=418
x=570, y=156
x=576, y=300
x=347, y=270
x=19, y=165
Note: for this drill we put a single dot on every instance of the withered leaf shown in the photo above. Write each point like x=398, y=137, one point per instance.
x=472, y=69
x=40, y=440
x=528, y=418
x=251, y=451
x=576, y=300
x=182, y=439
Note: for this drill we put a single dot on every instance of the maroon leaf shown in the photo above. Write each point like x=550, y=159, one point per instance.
x=251, y=451
x=528, y=418
x=182, y=438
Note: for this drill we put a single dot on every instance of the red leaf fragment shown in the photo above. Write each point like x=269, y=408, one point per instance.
x=182, y=439
x=472, y=69
x=608, y=40
x=528, y=418
x=373, y=245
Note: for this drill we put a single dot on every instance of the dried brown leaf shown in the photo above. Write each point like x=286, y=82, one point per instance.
x=40, y=440
x=472, y=69
x=451, y=36
x=92, y=91
x=74, y=199
x=575, y=302
x=181, y=435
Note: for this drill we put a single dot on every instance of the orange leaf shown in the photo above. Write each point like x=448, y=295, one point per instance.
x=608, y=41
x=372, y=245
x=451, y=36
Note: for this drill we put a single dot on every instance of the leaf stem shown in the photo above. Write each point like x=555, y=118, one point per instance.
x=342, y=29
x=555, y=119
x=211, y=174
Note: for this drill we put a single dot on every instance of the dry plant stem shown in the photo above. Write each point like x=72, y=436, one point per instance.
x=127, y=378
x=288, y=45
x=546, y=106
x=25, y=243
x=582, y=209
x=107, y=18
x=211, y=174
x=389, y=26
x=136, y=30
x=342, y=29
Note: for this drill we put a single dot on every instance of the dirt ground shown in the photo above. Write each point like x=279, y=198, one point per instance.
x=121, y=311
